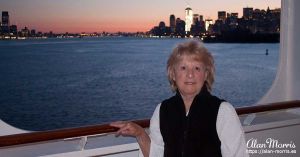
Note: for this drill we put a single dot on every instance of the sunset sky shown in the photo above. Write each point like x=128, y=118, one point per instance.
x=114, y=15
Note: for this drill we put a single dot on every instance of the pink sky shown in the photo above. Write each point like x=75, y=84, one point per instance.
x=114, y=15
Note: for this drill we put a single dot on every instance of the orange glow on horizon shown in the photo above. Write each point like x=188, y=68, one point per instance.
x=90, y=27
x=60, y=16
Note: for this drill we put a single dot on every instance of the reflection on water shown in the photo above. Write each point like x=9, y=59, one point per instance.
x=55, y=83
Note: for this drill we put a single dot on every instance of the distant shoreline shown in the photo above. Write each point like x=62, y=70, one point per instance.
x=244, y=38
x=232, y=39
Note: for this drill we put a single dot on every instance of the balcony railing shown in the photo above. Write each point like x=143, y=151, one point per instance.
x=42, y=136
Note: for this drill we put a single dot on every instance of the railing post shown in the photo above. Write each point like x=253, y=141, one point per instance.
x=82, y=143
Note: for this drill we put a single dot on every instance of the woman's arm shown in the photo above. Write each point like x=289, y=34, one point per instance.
x=151, y=145
x=134, y=130
x=230, y=132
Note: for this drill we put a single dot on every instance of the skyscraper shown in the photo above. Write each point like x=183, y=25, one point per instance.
x=247, y=13
x=222, y=16
x=172, y=23
x=13, y=29
x=201, y=18
x=188, y=19
x=5, y=22
x=208, y=23
x=5, y=18
x=180, y=27
x=195, y=19
x=161, y=28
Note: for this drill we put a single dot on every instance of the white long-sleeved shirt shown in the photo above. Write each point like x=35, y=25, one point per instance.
x=229, y=129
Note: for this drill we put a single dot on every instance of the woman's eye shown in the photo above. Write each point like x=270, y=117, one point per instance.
x=200, y=68
x=182, y=68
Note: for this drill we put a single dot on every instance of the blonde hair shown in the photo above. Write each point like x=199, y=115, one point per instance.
x=196, y=50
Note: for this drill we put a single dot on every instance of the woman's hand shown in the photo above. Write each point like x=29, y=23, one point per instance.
x=128, y=129
x=134, y=130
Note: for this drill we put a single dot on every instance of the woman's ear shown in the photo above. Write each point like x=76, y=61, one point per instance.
x=206, y=75
x=173, y=75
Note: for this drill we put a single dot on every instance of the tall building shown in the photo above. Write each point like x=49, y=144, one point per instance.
x=196, y=28
x=180, y=27
x=188, y=19
x=172, y=23
x=25, y=32
x=208, y=22
x=32, y=32
x=201, y=18
x=235, y=15
x=195, y=19
x=5, y=18
x=247, y=13
x=232, y=20
x=5, y=22
x=160, y=30
x=222, y=15
x=162, y=24
x=13, y=29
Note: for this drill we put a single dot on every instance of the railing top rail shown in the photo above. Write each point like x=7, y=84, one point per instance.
x=40, y=136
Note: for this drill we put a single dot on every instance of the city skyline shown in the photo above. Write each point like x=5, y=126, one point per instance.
x=113, y=15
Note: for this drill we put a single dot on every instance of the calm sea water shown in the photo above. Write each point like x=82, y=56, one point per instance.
x=56, y=83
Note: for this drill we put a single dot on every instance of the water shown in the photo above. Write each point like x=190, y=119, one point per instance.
x=57, y=83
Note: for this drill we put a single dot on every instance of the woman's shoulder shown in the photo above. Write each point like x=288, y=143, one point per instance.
x=157, y=107
x=227, y=106
x=226, y=109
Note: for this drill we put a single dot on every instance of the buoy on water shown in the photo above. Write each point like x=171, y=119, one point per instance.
x=267, y=52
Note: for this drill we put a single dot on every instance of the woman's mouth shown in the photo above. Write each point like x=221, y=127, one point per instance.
x=189, y=83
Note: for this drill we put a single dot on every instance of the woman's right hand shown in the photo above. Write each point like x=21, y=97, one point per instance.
x=134, y=130
x=128, y=129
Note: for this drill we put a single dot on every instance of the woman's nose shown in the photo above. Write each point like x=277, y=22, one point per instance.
x=190, y=73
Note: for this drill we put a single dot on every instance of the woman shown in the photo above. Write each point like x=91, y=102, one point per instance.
x=193, y=122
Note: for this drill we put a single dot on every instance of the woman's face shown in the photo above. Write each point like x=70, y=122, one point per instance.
x=189, y=76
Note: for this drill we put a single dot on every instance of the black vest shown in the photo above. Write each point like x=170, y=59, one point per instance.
x=194, y=135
